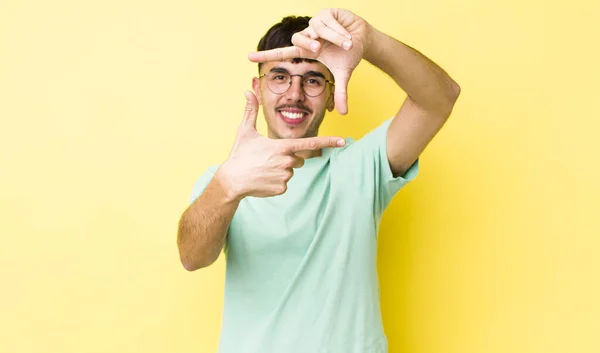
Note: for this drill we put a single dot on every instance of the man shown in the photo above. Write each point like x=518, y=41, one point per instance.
x=296, y=214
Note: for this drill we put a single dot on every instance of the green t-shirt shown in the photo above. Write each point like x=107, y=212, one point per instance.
x=301, y=273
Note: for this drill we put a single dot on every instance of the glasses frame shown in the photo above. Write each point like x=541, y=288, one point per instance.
x=290, y=85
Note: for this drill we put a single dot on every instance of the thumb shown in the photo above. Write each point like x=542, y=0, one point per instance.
x=251, y=112
x=340, y=95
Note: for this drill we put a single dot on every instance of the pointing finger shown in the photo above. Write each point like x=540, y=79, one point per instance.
x=312, y=143
x=281, y=54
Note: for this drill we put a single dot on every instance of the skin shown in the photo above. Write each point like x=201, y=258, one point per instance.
x=261, y=166
x=257, y=166
x=340, y=40
x=294, y=100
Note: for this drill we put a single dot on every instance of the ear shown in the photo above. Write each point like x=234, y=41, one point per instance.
x=330, y=103
x=256, y=88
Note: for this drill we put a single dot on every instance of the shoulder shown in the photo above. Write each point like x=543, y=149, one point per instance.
x=373, y=141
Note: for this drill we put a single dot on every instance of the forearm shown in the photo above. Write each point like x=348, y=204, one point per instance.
x=203, y=226
x=422, y=80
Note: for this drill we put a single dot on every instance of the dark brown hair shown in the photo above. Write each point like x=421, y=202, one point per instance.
x=280, y=35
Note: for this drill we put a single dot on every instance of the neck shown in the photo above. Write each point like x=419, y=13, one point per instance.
x=309, y=154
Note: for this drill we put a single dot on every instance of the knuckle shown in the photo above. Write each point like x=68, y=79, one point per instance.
x=288, y=162
x=295, y=38
x=288, y=175
x=281, y=189
x=313, y=21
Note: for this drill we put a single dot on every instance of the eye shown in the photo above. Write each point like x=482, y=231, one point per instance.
x=313, y=81
x=279, y=77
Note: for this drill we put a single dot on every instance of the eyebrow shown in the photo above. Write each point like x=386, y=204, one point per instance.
x=309, y=73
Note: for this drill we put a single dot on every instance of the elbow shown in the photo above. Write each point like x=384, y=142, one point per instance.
x=190, y=266
x=193, y=263
x=454, y=91
x=448, y=99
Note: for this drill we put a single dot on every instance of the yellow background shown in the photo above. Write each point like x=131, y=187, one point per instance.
x=111, y=109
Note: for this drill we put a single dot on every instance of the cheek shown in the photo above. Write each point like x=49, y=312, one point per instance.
x=267, y=98
x=321, y=105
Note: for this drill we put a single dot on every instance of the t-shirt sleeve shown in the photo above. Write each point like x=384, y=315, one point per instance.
x=368, y=158
x=202, y=182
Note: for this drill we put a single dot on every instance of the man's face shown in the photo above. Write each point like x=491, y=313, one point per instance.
x=293, y=114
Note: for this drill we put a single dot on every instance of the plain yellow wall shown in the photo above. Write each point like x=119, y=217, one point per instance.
x=111, y=109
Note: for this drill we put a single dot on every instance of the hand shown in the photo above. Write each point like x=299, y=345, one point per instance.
x=261, y=167
x=335, y=37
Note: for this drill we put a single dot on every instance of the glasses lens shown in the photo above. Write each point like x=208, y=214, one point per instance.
x=278, y=82
x=313, y=85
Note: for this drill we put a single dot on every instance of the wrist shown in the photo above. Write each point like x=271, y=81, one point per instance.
x=372, y=38
x=228, y=187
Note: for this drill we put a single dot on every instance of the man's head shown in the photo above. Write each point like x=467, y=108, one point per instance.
x=294, y=93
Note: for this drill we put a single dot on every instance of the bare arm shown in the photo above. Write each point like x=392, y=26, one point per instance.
x=431, y=97
x=203, y=226
x=431, y=92
x=258, y=167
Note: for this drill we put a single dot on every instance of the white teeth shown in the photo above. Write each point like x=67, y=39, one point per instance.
x=292, y=115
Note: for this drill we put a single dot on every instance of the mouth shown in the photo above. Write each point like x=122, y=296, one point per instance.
x=293, y=116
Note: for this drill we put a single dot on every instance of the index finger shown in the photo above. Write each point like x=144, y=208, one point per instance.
x=280, y=54
x=313, y=143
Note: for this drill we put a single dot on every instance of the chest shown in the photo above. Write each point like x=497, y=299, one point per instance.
x=321, y=210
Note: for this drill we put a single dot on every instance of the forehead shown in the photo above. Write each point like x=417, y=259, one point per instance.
x=296, y=66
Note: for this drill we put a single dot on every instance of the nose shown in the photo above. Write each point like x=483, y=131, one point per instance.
x=295, y=93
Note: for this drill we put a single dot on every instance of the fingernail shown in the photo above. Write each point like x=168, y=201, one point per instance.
x=314, y=47
x=347, y=44
x=341, y=143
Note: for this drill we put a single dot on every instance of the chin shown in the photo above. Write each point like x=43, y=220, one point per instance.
x=283, y=130
x=291, y=134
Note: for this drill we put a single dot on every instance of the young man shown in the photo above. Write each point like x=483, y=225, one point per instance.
x=298, y=214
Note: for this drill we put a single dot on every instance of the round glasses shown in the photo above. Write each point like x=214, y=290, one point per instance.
x=312, y=83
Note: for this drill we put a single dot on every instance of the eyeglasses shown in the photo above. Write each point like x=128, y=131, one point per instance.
x=312, y=83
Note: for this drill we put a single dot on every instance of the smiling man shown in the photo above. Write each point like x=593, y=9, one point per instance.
x=298, y=109
x=296, y=214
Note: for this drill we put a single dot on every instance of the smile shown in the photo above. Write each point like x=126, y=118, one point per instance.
x=293, y=117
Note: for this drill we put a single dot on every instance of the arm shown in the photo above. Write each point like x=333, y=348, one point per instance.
x=203, y=226
x=431, y=92
x=431, y=95
x=258, y=167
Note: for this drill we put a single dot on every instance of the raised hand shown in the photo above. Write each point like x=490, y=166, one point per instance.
x=335, y=37
x=261, y=167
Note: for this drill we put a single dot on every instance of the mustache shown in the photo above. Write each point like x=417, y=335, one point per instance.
x=294, y=106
